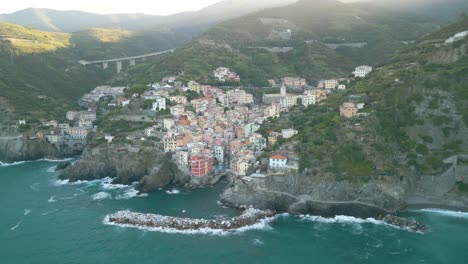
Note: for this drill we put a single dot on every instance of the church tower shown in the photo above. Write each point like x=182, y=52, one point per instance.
x=283, y=90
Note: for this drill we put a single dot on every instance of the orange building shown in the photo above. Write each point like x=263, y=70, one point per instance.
x=201, y=165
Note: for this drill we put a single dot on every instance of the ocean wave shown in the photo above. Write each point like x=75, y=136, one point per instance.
x=16, y=226
x=59, y=182
x=27, y=211
x=101, y=196
x=130, y=193
x=342, y=219
x=444, y=212
x=3, y=164
x=261, y=225
x=55, y=160
x=51, y=169
x=52, y=199
x=49, y=212
x=173, y=191
x=107, y=184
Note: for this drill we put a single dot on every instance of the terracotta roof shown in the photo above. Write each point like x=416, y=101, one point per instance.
x=279, y=157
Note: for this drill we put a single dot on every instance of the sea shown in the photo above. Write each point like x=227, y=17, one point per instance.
x=44, y=220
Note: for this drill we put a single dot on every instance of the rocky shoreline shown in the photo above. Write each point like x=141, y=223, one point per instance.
x=248, y=218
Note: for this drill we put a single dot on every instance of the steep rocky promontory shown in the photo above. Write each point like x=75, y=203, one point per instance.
x=147, y=165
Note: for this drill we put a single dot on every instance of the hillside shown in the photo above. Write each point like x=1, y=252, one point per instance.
x=418, y=116
x=305, y=29
x=40, y=76
x=21, y=40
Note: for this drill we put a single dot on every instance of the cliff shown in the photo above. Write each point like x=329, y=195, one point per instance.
x=13, y=147
x=146, y=165
x=302, y=194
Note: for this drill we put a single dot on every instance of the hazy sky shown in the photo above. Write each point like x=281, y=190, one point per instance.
x=154, y=7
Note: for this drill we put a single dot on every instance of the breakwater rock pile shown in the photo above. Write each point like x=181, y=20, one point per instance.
x=404, y=223
x=248, y=218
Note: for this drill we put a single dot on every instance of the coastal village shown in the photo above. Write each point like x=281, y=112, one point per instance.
x=207, y=129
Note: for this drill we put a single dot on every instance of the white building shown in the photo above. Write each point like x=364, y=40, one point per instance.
x=331, y=84
x=177, y=110
x=221, y=73
x=308, y=99
x=362, y=71
x=109, y=138
x=341, y=87
x=457, y=37
x=278, y=162
x=168, y=123
x=219, y=153
x=159, y=104
x=169, y=143
x=182, y=158
x=288, y=133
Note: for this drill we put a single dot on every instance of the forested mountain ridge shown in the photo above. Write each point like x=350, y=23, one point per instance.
x=310, y=38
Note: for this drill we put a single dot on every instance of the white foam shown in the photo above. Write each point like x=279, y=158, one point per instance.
x=342, y=219
x=16, y=226
x=221, y=204
x=130, y=193
x=51, y=169
x=261, y=225
x=27, y=211
x=55, y=160
x=101, y=196
x=106, y=184
x=3, y=164
x=59, y=182
x=49, y=212
x=11, y=164
x=258, y=242
x=52, y=199
x=68, y=198
x=443, y=212
x=173, y=191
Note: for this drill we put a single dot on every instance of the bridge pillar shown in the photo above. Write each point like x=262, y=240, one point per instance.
x=132, y=62
x=119, y=66
x=143, y=58
x=105, y=65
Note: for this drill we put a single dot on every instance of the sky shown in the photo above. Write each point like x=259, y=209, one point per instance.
x=152, y=7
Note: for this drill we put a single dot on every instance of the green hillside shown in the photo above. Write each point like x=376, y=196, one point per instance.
x=418, y=106
x=39, y=73
x=313, y=23
x=21, y=40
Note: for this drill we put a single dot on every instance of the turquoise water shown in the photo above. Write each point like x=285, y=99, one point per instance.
x=42, y=221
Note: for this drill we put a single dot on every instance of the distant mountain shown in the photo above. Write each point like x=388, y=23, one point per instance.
x=70, y=21
x=311, y=31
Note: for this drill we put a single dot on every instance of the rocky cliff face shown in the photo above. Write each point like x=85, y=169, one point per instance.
x=302, y=194
x=18, y=149
x=296, y=193
x=14, y=148
x=148, y=166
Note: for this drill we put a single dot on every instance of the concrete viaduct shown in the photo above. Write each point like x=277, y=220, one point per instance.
x=119, y=61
